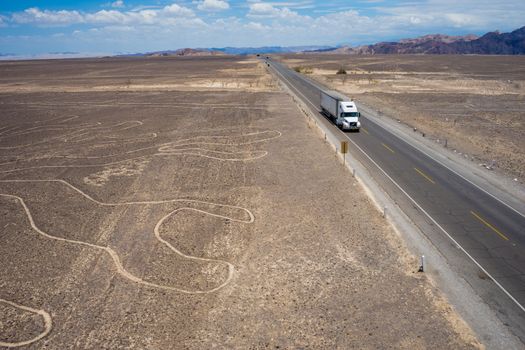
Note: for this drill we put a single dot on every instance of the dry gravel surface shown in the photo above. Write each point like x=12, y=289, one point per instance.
x=199, y=217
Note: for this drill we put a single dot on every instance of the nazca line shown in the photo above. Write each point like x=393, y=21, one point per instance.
x=172, y=148
x=167, y=149
x=116, y=259
x=73, y=134
x=47, y=325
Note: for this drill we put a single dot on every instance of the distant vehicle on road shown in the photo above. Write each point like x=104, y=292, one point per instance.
x=340, y=110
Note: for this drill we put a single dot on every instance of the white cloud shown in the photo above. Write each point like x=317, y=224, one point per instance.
x=257, y=26
x=118, y=4
x=460, y=19
x=178, y=10
x=261, y=10
x=104, y=17
x=213, y=5
x=50, y=18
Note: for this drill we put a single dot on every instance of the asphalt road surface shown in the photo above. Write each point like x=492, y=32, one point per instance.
x=491, y=234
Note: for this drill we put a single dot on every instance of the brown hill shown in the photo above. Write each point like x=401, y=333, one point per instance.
x=493, y=43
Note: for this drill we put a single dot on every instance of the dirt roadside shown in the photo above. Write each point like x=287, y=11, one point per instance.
x=181, y=185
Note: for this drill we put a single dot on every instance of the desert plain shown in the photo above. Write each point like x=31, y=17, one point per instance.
x=184, y=203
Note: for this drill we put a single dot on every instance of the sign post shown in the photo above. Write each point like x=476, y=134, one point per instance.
x=344, y=150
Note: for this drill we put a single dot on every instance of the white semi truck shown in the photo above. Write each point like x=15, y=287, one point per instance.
x=342, y=111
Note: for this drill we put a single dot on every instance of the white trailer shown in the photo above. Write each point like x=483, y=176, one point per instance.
x=342, y=111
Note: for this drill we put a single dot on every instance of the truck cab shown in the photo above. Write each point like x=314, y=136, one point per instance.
x=348, y=118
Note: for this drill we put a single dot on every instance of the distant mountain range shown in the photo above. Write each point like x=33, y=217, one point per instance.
x=267, y=49
x=181, y=52
x=493, y=43
x=230, y=51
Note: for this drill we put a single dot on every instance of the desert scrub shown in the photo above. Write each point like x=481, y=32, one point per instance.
x=302, y=69
x=341, y=71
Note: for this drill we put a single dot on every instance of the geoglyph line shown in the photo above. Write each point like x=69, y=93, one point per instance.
x=85, y=128
x=170, y=149
x=48, y=127
x=166, y=146
x=191, y=152
x=179, y=147
x=69, y=166
x=48, y=324
x=115, y=257
x=67, y=118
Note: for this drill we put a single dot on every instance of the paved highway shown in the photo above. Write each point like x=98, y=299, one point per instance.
x=490, y=232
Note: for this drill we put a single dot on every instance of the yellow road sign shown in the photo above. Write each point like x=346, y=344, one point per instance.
x=344, y=147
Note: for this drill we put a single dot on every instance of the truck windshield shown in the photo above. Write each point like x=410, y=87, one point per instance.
x=349, y=114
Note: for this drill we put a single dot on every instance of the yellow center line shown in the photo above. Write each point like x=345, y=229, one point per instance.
x=366, y=131
x=489, y=226
x=425, y=175
x=388, y=148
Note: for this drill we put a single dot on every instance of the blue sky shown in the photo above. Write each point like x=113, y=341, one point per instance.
x=117, y=26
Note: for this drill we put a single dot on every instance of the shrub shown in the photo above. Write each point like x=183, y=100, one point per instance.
x=341, y=71
x=303, y=70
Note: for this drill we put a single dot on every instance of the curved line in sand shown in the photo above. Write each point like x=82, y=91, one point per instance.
x=115, y=257
x=57, y=119
x=169, y=149
x=69, y=136
x=190, y=141
x=48, y=324
x=41, y=128
x=115, y=139
x=166, y=149
x=68, y=166
x=176, y=144
x=190, y=152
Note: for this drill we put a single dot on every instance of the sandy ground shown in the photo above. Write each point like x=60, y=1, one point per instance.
x=200, y=219
x=475, y=103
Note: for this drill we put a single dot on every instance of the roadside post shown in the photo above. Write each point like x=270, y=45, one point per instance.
x=344, y=150
x=422, y=266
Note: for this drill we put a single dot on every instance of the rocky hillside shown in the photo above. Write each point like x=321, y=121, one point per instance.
x=493, y=43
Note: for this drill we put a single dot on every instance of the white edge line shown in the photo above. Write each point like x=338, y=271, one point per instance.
x=453, y=171
x=420, y=208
